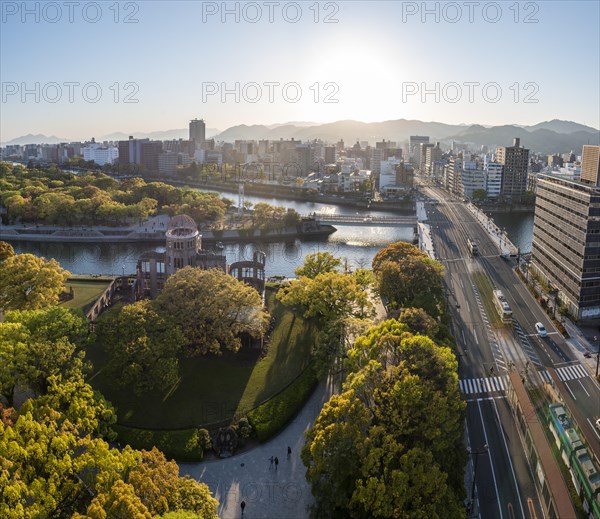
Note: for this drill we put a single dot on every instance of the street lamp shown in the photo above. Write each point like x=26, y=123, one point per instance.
x=123, y=267
x=483, y=450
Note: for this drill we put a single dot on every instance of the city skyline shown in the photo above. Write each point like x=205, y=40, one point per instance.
x=429, y=70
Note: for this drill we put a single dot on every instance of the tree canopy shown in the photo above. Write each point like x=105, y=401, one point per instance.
x=212, y=309
x=391, y=444
x=30, y=283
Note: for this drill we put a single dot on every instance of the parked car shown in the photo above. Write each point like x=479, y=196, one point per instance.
x=541, y=330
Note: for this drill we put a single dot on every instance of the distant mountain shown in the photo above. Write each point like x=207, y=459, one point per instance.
x=37, y=139
x=566, y=136
x=163, y=135
x=559, y=126
x=541, y=141
x=350, y=131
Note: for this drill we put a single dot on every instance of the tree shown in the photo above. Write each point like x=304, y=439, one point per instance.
x=212, y=309
x=318, y=263
x=332, y=451
x=391, y=445
x=479, y=195
x=28, y=282
x=6, y=251
x=142, y=346
x=37, y=344
x=413, y=282
x=419, y=321
x=396, y=252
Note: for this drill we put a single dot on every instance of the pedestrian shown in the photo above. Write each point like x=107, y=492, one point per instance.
x=271, y=460
x=289, y=452
x=276, y=462
x=242, y=506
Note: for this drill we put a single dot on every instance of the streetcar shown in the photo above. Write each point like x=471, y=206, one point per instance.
x=502, y=306
x=473, y=249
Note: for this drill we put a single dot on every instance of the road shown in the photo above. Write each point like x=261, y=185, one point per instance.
x=537, y=358
x=504, y=486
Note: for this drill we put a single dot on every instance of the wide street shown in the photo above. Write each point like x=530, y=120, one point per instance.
x=504, y=481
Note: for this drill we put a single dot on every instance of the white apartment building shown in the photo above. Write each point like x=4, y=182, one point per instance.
x=387, y=173
x=100, y=154
x=493, y=179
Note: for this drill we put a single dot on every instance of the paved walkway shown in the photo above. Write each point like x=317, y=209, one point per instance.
x=268, y=493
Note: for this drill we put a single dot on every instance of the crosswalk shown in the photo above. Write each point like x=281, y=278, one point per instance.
x=471, y=386
x=567, y=373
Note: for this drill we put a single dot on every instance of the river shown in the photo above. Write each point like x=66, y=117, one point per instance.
x=355, y=244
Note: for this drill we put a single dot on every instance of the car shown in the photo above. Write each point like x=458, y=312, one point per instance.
x=598, y=424
x=587, y=355
x=541, y=330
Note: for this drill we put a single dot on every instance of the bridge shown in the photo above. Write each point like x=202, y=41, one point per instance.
x=367, y=220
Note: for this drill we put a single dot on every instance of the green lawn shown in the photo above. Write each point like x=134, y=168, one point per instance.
x=85, y=292
x=214, y=389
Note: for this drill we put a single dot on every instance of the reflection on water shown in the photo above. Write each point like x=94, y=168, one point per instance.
x=357, y=245
x=519, y=227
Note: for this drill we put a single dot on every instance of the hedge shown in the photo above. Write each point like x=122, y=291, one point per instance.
x=179, y=445
x=270, y=418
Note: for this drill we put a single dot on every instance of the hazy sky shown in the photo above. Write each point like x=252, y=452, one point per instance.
x=481, y=62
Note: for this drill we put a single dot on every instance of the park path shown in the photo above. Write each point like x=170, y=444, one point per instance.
x=268, y=493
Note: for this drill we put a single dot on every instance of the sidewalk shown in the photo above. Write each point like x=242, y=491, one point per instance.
x=268, y=493
x=498, y=236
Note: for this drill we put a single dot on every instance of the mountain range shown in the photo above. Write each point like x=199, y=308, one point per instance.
x=554, y=136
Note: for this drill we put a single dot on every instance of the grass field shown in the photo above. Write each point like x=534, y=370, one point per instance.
x=213, y=389
x=85, y=292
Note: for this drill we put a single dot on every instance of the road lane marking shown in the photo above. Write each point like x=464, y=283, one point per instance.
x=583, y=388
x=567, y=386
x=489, y=452
x=531, y=506
x=509, y=460
x=593, y=428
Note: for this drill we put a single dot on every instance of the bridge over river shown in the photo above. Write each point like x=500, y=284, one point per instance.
x=371, y=221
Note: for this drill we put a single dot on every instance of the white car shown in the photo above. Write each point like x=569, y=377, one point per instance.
x=598, y=424
x=541, y=330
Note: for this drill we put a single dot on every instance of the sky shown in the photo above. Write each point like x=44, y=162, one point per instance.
x=82, y=69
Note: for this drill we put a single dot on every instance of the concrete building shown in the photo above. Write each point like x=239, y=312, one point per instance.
x=423, y=155
x=472, y=178
x=198, y=133
x=493, y=179
x=566, y=242
x=330, y=154
x=515, y=162
x=590, y=165
x=432, y=155
x=414, y=148
x=100, y=154
x=387, y=174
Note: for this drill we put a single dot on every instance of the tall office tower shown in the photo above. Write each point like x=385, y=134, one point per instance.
x=566, y=242
x=590, y=165
x=515, y=162
x=414, y=148
x=198, y=133
x=432, y=155
x=130, y=151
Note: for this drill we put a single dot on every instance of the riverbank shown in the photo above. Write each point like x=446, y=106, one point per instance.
x=298, y=194
x=138, y=235
x=506, y=208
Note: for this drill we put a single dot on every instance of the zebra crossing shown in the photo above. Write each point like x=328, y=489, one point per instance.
x=496, y=352
x=524, y=340
x=472, y=386
x=566, y=373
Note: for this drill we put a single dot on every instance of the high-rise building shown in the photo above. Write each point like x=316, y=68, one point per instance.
x=590, y=165
x=130, y=151
x=198, y=133
x=414, y=147
x=432, y=155
x=515, y=162
x=566, y=242
x=150, y=153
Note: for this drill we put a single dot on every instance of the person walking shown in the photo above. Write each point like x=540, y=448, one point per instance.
x=271, y=460
x=242, y=506
x=276, y=462
x=289, y=452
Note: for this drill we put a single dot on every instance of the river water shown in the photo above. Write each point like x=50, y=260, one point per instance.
x=355, y=244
